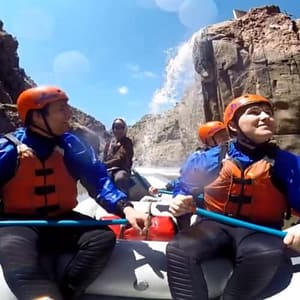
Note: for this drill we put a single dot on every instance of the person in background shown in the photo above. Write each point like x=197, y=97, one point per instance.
x=118, y=155
x=253, y=180
x=40, y=166
x=211, y=134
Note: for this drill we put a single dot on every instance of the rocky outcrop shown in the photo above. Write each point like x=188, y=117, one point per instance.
x=257, y=53
x=13, y=81
x=166, y=139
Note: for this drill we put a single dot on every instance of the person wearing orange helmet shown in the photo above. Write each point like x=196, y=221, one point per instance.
x=212, y=133
x=251, y=179
x=43, y=163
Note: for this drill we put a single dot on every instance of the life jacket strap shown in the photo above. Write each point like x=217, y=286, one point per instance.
x=44, y=190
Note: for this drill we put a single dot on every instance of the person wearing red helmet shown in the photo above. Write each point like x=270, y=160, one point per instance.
x=250, y=179
x=212, y=133
x=43, y=163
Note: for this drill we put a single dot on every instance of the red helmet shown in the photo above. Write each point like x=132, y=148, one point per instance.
x=38, y=98
x=242, y=101
x=209, y=129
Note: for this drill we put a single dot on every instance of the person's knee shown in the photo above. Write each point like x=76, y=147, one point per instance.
x=173, y=244
x=267, y=252
x=99, y=239
x=11, y=241
x=180, y=244
x=121, y=176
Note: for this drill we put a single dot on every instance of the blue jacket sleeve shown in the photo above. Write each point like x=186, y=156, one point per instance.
x=92, y=173
x=199, y=169
x=287, y=170
x=8, y=160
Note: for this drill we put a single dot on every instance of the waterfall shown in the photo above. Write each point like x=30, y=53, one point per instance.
x=177, y=109
x=179, y=75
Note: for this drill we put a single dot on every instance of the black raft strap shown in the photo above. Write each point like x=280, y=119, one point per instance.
x=44, y=190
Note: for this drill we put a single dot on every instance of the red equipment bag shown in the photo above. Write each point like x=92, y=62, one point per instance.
x=162, y=228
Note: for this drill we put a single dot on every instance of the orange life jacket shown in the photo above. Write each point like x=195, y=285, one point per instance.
x=248, y=194
x=162, y=228
x=40, y=188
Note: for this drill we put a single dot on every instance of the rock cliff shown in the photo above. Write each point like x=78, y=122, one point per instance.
x=259, y=52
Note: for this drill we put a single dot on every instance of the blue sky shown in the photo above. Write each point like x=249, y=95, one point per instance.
x=115, y=58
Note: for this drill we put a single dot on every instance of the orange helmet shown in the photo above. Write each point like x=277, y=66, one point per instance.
x=209, y=129
x=38, y=98
x=242, y=101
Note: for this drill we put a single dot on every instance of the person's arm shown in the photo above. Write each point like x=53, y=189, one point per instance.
x=8, y=160
x=193, y=175
x=287, y=170
x=198, y=170
x=105, y=151
x=123, y=156
x=92, y=173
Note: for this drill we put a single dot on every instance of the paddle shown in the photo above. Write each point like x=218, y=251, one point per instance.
x=233, y=221
x=62, y=223
x=163, y=191
x=236, y=222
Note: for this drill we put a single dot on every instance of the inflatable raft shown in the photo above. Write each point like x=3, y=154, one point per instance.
x=142, y=275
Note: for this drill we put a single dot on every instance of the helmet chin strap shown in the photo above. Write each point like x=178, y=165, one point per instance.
x=215, y=142
x=48, y=131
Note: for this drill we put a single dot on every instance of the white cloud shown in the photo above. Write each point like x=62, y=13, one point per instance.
x=72, y=62
x=138, y=72
x=179, y=74
x=33, y=23
x=149, y=74
x=133, y=68
x=169, y=5
x=123, y=90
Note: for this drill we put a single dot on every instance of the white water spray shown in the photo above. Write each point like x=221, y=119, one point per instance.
x=179, y=74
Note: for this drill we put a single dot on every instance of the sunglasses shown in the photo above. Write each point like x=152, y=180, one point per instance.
x=118, y=127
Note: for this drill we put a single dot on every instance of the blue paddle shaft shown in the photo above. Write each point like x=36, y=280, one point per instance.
x=62, y=223
x=236, y=222
x=163, y=191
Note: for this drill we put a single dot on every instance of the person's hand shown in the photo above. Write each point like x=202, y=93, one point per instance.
x=138, y=220
x=182, y=205
x=292, y=239
x=153, y=190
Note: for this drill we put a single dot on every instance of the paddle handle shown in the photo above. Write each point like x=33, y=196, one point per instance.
x=237, y=222
x=62, y=223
